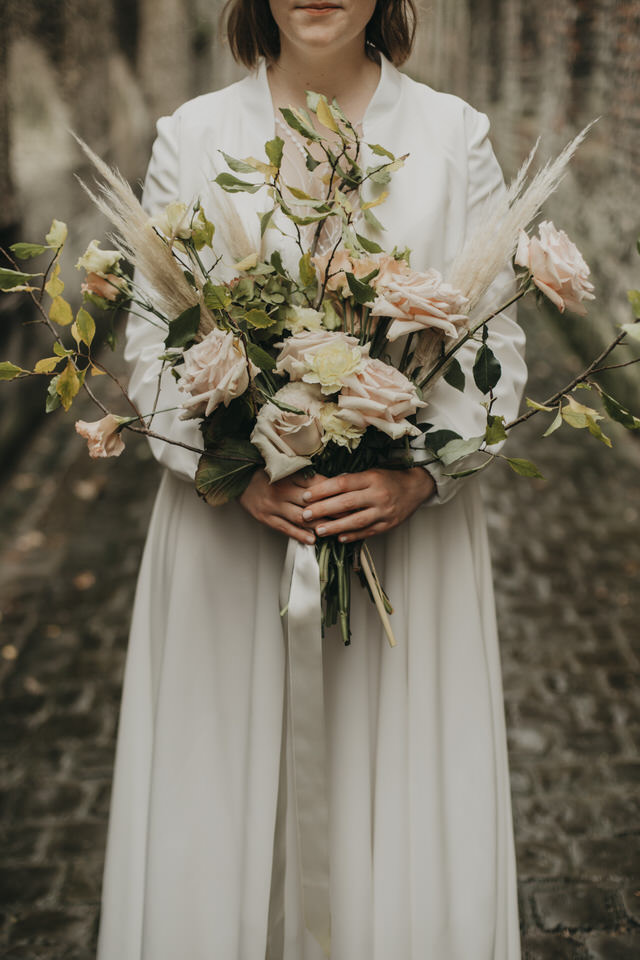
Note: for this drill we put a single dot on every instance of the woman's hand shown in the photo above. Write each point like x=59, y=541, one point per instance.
x=279, y=505
x=360, y=505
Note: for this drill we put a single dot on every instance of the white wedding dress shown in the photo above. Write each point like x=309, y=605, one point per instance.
x=420, y=835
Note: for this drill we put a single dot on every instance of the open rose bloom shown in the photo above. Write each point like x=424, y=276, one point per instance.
x=418, y=301
x=216, y=370
x=557, y=267
x=102, y=436
x=382, y=397
x=288, y=440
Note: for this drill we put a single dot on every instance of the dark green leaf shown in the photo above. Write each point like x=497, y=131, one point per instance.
x=435, y=440
x=298, y=125
x=216, y=296
x=617, y=412
x=260, y=357
x=369, y=245
x=486, y=369
x=362, y=292
x=53, y=397
x=454, y=374
x=524, y=468
x=233, y=185
x=310, y=162
x=25, y=251
x=273, y=149
x=224, y=472
x=183, y=329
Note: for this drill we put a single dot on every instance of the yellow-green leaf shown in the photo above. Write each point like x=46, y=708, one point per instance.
x=325, y=116
x=578, y=415
x=61, y=351
x=307, y=270
x=534, y=405
x=375, y=203
x=54, y=286
x=86, y=326
x=60, y=312
x=259, y=318
x=524, y=468
x=9, y=371
x=68, y=385
x=634, y=299
x=46, y=365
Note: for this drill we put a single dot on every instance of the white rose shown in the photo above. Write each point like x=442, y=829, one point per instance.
x=336, y=428
x=557, y=267
x=98, y=261
x=102, y=436
x=287, y=440
x=174, y=221
x=382, y=397
x=216, y=370
x=302, y=318
x=297, y=352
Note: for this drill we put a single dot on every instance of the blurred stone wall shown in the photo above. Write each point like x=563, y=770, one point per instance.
x=107, y=69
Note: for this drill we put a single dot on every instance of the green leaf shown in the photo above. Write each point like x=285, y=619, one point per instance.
x=259, y=318
x=436, y=440
x=596, y=431
x=632, y=330
x=9, y=371
x=495, y=432
x=371, y=219
x=10, y=279
x=273, y=149
x=183, y=328
x=225, y=471
x=240, y=166
x=53, y=398
x=310, y=162
x=557, y=422
x=259, y=356
x=265, y=219
x=369, y=245
x=202, y=235
x=619, y=413
x=86, y=326
x=298, y=124
x=634, y=299
x=486, y=369
x=233, y=185
x=25, y=251
x=456, y=449
x=380, y=151
x=454, y=374
x=68, y=384
x=60, y=312
x=362, y=292
x=524, y=468
x=62, y=351
x=307, y=270
x=216, y=296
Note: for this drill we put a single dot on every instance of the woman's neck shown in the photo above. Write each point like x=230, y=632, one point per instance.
x=348, y=75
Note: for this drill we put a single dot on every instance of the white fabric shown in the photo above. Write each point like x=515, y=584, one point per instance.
x=421, y=847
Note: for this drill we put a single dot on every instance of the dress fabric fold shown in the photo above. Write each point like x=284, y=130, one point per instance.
x=202, y=855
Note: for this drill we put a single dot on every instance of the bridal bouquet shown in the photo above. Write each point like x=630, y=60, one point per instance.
x=321, y=365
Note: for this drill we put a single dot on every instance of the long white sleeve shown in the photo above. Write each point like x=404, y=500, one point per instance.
x=462, y=411
x=145, y=342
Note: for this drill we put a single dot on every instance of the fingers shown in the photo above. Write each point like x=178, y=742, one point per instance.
x=336, y=506
x=358, y=521
x=333, y=486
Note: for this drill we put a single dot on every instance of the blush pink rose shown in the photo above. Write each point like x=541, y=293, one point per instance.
x=557, y=267
x=287, y=440
x=342, y=263
x=109, y=287
x=382, y=397
x=418, y=301
x=216, y=370
x=102, y=436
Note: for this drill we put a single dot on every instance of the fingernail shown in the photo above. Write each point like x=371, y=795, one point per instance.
x=307, y=514
x=342, y=539
x=306, y=495
x=311, y=539
x=321, y=531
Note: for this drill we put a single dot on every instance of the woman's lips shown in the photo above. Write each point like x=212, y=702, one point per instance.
x=319, y=9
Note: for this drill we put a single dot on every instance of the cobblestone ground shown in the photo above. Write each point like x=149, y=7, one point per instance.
x=567, y=561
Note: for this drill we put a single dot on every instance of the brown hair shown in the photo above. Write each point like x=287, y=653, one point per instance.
x=253, y=33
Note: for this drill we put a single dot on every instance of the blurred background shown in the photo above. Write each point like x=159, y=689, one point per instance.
x=566, y=555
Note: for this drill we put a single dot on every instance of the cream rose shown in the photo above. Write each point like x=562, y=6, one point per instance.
x=337, y=429
x=102, y=436
x=557, y=267
x=382, y=397
x=416, y=301
x=297, y=352
x=174, y=221
x=95, y=260
x=109, y=287
x=298, y=319
x=285, y=439
x=216, y=370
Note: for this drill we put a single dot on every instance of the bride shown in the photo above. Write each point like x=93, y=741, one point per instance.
x=203, y=847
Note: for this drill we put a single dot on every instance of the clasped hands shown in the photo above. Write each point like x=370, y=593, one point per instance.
x=352, y=506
